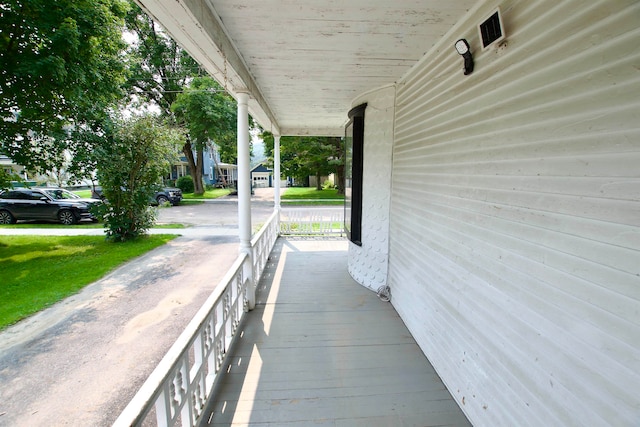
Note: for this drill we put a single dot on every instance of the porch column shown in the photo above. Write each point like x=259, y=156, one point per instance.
x=276, y=171
x=244, y=192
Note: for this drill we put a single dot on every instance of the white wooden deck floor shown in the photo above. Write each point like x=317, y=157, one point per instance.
x=321, y=350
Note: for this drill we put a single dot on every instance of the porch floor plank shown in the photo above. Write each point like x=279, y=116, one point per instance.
x=321, y=350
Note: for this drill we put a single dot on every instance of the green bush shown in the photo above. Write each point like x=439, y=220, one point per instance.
x=327, y=185
x=185, y=183
x=129, y=166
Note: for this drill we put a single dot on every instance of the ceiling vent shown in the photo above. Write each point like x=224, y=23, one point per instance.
x=491, y=30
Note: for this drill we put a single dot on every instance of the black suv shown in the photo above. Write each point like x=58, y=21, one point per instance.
x=167, y=194
x=54, y=204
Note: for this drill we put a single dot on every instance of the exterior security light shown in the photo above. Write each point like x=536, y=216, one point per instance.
x=462, y=46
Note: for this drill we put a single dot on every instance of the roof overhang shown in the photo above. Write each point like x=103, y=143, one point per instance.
x=303, y=62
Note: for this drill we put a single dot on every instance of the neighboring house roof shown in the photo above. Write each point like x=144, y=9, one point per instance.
x=261, y=168
x=227, y=165
x=5, y=160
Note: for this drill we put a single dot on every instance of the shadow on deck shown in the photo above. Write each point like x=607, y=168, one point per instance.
x=319, y=349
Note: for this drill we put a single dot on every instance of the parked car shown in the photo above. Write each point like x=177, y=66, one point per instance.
x=167, y=194
x=52, y=204
x=62, y=194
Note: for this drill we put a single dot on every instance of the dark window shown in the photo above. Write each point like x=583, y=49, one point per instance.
x=354, y=143
x=36, y=195
x=15, y=195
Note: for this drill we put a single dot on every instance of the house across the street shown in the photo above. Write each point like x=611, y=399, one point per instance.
x=261, y=176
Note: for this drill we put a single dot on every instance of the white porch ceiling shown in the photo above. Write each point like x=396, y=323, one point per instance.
x=304, y=61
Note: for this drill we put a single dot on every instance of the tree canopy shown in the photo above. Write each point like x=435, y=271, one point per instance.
x=158, y=67
x=62, y=70
x=210, y=115
x=302, y=156
x=5, y=179
x=160, y=72
x=67, y=70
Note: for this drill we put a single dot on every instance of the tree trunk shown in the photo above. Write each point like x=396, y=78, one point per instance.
x=339, y=181
x=195, y=169
x=198, y=185
x=340, y=178
x=318, y=183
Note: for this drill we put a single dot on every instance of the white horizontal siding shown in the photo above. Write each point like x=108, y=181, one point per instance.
x=515, y=215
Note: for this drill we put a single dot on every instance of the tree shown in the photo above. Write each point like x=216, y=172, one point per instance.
x=130, y=165
x=302, y=156
x=62, y=70
x=337, y=161
x=210, y=115
x=160, y=69
x=83, y=160
x=6, y=178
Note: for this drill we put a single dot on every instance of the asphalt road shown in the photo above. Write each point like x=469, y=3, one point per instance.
x=219, y=212
x=79, y=362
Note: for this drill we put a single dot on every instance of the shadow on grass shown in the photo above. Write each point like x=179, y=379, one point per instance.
x=38, y=271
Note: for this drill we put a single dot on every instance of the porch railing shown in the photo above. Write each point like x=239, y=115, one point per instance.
x=180, y=386
x=311, y=221
x=262, y=243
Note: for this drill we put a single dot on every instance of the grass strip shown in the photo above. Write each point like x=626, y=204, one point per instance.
x=312, y=202
x=40, y=224
x=314, y=226
x=308, y=193
x=87, y=225
x=85, y=194
x=38, y=271
x=209, y=194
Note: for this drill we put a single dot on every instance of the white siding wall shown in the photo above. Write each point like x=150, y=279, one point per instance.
x=515, y=215
x=368, y=264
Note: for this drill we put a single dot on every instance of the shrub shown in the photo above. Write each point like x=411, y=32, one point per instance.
x=185, y=183
x=129, y=165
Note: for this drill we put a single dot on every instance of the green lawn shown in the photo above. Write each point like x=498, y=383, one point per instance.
x=209, y=194
x=310, y=193
x=315, y=226
x=39, y=224
x=309, y=196
x=38, y=271
x=85, y=194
